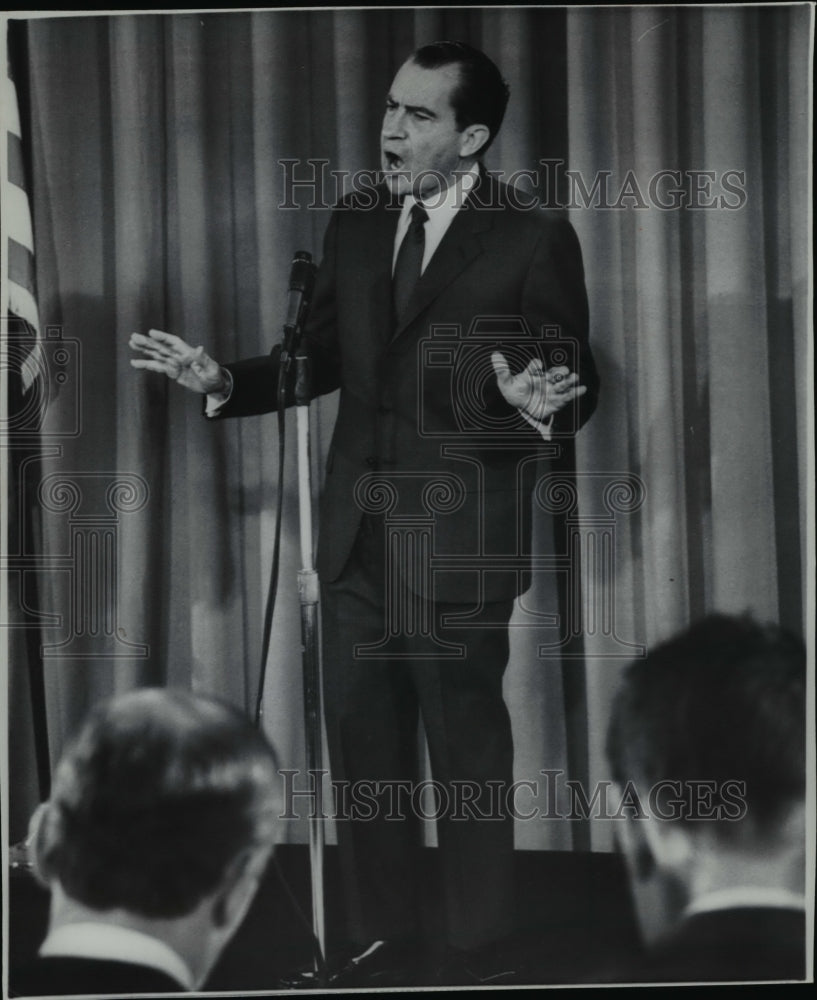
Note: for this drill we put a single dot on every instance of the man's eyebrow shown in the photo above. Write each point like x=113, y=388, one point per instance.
x=413, y=107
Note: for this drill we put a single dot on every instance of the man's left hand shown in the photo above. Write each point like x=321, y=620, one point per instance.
x=538, y=392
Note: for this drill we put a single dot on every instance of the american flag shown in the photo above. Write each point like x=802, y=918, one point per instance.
x=19, y=234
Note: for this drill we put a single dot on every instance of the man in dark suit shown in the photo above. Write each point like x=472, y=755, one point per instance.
x=159, y=827
x=707, y=739
x=453, y=318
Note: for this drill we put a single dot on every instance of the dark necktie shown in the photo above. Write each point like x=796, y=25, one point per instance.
x=409, y=261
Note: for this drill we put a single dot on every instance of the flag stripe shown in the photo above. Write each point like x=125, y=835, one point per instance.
x=18, y=216
x=10, y=109
x=21, y=265
x=16, y=170
x=23, y=304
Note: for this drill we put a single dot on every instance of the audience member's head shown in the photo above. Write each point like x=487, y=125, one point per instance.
x=709, y=732
x=161, y=819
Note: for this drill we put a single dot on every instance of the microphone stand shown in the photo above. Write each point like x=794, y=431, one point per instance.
x=309, y=595
x=301, y=281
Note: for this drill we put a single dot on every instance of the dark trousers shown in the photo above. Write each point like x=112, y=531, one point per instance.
x=371, y=706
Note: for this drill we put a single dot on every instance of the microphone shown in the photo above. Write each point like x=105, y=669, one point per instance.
x=301, y=283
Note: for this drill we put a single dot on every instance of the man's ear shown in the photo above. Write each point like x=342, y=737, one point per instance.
x=473, y=138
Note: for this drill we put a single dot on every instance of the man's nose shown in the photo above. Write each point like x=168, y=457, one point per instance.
x=394, y=124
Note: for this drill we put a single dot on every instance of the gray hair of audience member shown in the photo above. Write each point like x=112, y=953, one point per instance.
x=723, y=702
x=159, y=795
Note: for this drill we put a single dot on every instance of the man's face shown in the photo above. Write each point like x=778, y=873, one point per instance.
x=420, y=145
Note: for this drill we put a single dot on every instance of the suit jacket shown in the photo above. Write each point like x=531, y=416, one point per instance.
x=419, y=405
x=746, y=944
x=58, y=976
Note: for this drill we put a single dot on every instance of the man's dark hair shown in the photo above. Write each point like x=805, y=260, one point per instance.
x=160, y=793
x=723, y=701
x=481, y=95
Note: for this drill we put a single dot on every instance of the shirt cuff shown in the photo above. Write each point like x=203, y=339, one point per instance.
x=543, y=426
x=215, y=400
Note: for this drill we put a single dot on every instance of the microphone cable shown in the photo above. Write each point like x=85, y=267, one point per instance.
x=287, y=351
x=317, y=955
x=272, y=589
x=301, y=282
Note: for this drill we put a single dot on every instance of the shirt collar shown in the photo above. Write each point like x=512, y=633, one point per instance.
x=745, y=896
x=448, y=201
x=442, y=208
x=112, y=942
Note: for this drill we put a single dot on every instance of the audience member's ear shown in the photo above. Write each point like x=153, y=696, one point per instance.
x=229, y=904
x=630, y=842
x=670, y=843
x=656, y=890
x=643, y=861
x=34, y=842
x=239, y=887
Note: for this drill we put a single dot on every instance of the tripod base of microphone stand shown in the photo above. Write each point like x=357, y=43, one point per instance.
x=383, y=964
x=306, y=979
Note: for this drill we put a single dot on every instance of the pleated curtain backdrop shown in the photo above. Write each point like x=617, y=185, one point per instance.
x=158, y=144
x=701, y=314
x=164, y=151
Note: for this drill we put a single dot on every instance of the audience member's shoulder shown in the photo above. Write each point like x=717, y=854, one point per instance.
x=70, y=976
x=751, y=944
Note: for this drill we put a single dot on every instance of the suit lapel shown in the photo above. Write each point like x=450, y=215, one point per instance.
x=459, y=246
x=374, y=274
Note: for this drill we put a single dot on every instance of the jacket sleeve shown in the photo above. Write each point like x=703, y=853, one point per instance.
x=554, y=298
x=255, y=380
x=553, y=303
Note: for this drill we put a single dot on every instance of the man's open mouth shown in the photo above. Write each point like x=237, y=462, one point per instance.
x=392, y=160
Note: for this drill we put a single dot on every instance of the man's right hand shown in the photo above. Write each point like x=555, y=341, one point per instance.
x=170, y=355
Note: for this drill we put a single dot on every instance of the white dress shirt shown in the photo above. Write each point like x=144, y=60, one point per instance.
x=441, y=208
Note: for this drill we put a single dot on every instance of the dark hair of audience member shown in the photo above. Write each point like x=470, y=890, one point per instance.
x=723, y=702
x=160, y=793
